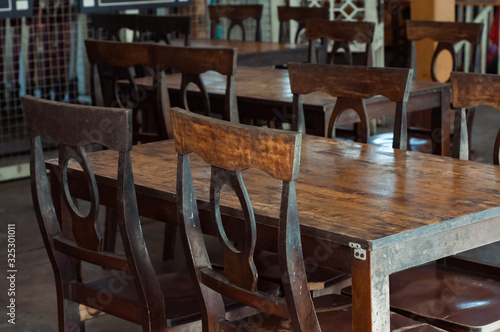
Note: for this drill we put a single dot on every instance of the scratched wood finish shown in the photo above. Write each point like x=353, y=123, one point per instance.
x=236, y=15
x=469, y=91
x=396, y=213
x=160, y=27
x=383, y=186
x=241, y=147
x=351, y=85
x=342, y=34
x=71, y=237
x=446, y=32
x=299, y=15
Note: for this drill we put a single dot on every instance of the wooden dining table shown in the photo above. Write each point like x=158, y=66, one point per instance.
x=254, y=53
x=363, y=209
x=265, y=94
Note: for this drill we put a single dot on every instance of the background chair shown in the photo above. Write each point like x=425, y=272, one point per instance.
x=148, y=96
x=469, y=91
x=212, y=140
x=299, y=15
x=351, y=85
x=109, y=26
x=155, y=297
x=342, y=34
x=236, y=14
x=446, y=34
x=150, y=123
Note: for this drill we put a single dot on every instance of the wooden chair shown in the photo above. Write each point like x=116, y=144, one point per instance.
x=236, y=14
x=150, y=101
x=469, y=91
x=191, y=62
x=299, y=15
x=351, y=85
x=342, y=33
x=109, y=26
x=155, y=297
x=150, y=123
x=446, y=34
x=231, y=149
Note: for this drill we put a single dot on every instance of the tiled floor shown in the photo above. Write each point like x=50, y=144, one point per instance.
x=35, y=290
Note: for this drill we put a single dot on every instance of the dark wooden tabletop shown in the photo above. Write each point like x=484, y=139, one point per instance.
x=393, y=209
x=346, y=191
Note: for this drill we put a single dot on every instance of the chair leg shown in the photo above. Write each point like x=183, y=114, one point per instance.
x=110, y=229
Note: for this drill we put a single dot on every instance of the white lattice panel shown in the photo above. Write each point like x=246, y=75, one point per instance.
x=358, y=10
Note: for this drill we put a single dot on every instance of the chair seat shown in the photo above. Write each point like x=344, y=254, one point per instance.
x=181, y=301
x=445, y=296
x=334, y=314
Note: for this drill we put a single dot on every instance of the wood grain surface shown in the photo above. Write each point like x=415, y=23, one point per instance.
x=347, y=192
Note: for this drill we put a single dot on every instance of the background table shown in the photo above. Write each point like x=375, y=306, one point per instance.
x=265, y=94
x=363, y=209
x=252, y=53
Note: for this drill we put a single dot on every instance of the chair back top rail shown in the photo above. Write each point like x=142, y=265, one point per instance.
x=192, y=60
x=471, y=90
x=237, y=147
x=343, y=31
x=52, y=119
x=159, y=26
x=299, y=15
x=445, y=32
x=350, y=81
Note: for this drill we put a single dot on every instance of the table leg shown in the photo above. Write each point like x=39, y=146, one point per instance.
x=370, y=294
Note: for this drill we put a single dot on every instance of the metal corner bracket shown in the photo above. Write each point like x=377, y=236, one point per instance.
x=358, y=252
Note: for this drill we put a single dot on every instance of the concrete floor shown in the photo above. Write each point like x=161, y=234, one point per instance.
x=35, y=290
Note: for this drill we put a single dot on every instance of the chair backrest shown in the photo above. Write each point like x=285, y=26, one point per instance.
x=108, y=26
x=352, y=85
x=469, y=91
x=446, y=34
x=231, y=149
x=299, y=15
x=144, y=100
x=69, y=235
x=236, y=14
x=114, y=62
x=342, y=33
